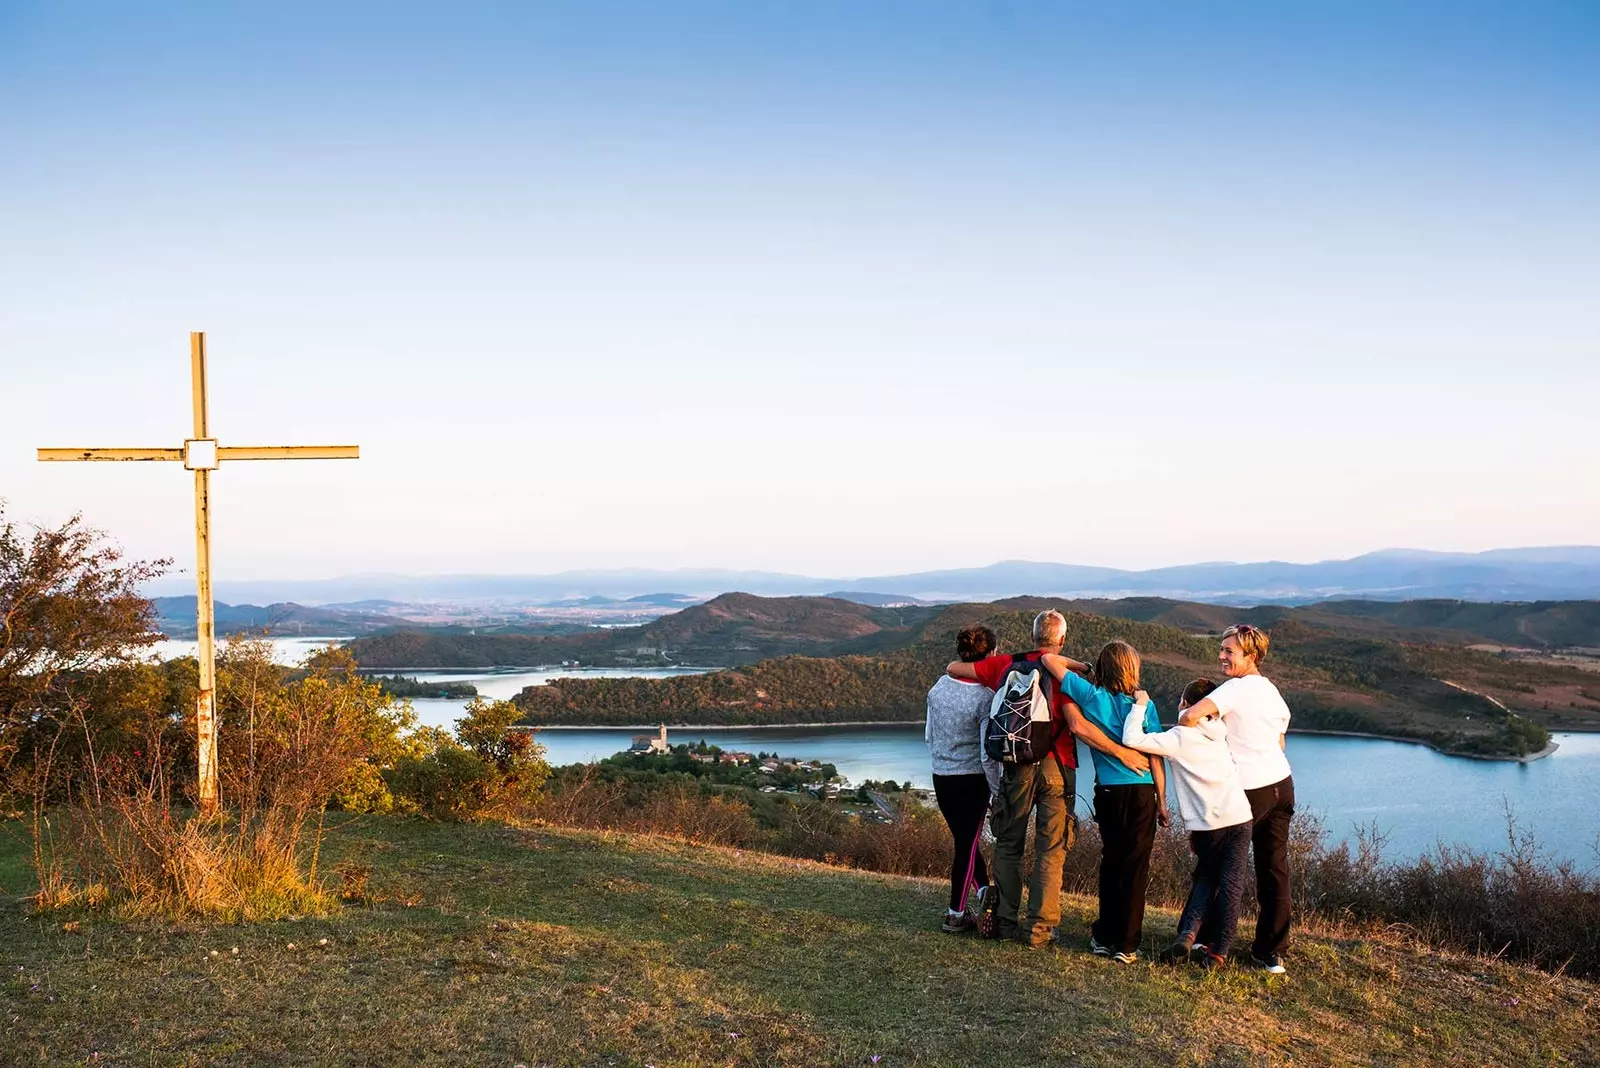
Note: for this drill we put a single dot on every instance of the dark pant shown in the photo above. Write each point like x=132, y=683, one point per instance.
x=1044, y=791
x=1127, y=819
x=1273, y=807
x=963, y=801
x=1219, y=868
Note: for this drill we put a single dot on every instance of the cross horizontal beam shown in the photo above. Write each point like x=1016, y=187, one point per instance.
x=111, y=454
x=289, y=452
x=226, y=452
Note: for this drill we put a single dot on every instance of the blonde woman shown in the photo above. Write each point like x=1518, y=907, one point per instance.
x=1257, y=719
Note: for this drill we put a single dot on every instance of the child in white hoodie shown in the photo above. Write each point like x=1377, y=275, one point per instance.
x=1217, y=813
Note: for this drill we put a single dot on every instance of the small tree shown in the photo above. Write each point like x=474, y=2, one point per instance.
x=68, y=603
x=491, y=769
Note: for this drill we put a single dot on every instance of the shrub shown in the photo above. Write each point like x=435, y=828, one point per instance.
x=489, y=770
x=111, y=828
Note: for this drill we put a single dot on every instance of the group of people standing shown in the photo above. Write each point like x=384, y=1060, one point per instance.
x=1224, y=762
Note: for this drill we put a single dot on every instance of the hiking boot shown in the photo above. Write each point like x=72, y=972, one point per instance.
x=1210, y=961
x=1097, y=949
x=1269, y=964
x=957, y=922
x=1037, y=938
x=1126, y=956
x=1177, y=953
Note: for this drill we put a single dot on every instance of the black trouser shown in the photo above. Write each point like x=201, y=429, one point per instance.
x=964, y=801
x=1127, y=819
x=1272, y=807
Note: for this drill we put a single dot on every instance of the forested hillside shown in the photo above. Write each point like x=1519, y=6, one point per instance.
x=736, y=628
x=1333, y=681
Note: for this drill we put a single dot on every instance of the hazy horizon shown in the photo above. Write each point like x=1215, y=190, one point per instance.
x=178, y=582
x=820, y=289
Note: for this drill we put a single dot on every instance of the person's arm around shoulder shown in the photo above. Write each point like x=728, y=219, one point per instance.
x=1095, y=738
x=1136, y=736
x=1059, y=665
x=1199, y=711
x=961, y=669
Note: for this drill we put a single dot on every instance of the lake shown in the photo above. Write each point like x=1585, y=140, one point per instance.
x=1416, y=796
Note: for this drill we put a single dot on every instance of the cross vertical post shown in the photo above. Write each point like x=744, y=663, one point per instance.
x=205, y=713
x=201, y=454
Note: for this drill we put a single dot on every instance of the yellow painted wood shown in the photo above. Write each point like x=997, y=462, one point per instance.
x=289, y=452
x=197, y=377
x=110, y=454
x=205, y=619
x=205, y=719
x=205, y=712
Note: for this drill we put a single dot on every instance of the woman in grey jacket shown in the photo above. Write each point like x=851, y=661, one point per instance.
x=956, y=710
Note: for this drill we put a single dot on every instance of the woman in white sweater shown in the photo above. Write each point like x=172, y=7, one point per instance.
x=1217, y=813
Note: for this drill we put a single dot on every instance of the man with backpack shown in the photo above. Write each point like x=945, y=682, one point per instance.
x=1032, y=731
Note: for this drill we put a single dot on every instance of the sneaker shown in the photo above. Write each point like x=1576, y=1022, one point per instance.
x=1129, y=956
x=957, y=922
x=1177, y=953
x=1269, y=964
x=1097, y=949
x=988, y=921
x=1199, y=951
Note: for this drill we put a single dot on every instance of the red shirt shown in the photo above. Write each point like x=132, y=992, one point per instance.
x=992, y=673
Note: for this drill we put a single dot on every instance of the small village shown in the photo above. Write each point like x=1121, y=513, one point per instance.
x=770, y=773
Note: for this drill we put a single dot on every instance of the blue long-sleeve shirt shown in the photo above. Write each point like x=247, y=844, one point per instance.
x=1109, y=711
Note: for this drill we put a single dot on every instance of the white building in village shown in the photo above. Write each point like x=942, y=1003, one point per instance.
x=650, y=743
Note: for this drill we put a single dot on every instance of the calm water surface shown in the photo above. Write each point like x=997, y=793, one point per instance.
x=1409, y=792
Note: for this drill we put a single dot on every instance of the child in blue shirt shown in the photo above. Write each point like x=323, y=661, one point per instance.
x=1127, y=804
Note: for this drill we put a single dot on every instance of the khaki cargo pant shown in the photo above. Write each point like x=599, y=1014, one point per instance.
x=1045, y=791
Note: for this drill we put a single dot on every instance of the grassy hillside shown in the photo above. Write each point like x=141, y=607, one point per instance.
x=489, y=946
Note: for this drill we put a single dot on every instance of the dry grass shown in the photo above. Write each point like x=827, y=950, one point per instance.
x=574, y=947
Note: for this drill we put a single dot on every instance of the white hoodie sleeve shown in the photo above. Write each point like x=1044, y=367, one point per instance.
x=1164, y=743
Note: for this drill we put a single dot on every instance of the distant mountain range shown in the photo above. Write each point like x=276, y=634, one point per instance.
x=175, y=618
x=1553, y=573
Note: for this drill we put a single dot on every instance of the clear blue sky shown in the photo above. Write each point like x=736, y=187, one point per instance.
x=838, y=288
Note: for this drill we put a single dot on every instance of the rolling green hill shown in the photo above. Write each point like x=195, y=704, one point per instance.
x=1456, y=699
x=740, y=628
x=1401, y=670
x=736, y=628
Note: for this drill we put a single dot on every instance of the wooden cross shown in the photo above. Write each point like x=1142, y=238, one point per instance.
x=201, y=454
